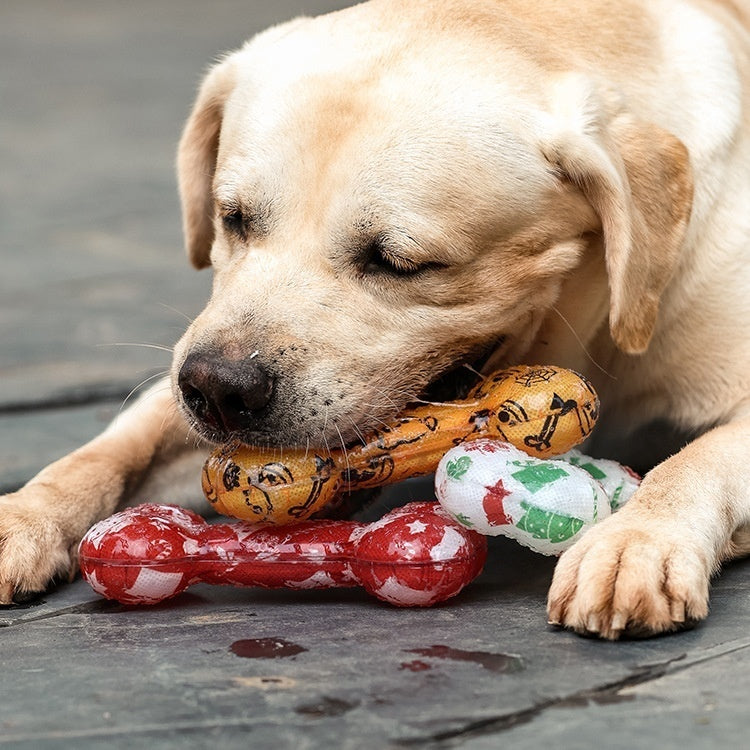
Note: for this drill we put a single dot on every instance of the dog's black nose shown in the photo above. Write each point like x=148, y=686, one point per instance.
x=224, y=394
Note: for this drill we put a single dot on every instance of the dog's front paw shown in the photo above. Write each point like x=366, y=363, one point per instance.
x=630, y=575
x=34, y=549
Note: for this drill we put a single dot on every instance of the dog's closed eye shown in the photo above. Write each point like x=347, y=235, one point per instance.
x=235, y=223
x=381, y=258
x=243, y=223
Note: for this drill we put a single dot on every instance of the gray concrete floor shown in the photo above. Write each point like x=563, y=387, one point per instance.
x=92, y=99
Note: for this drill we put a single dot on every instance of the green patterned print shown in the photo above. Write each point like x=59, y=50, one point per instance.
x=596, y=504
x=590, y=467
x=456, y=469
x=594, y=470
x=614, y=501
x=536, y=475
x=544, y=524
x=463, y=520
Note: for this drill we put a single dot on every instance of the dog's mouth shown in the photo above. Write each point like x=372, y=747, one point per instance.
x=452, y=383
x=455, y=383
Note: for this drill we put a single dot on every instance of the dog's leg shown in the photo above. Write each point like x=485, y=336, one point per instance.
x=42, y=524
x=647, y=568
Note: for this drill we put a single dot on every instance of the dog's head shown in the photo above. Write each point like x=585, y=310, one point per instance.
x=381, y=203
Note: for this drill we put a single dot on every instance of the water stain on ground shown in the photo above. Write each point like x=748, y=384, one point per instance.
x=415, y=666
x=265, y=648
x=326, y=706
x=494, y=662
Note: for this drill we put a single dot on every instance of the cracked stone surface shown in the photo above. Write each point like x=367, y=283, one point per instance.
x=93, y=99
x=354, y=673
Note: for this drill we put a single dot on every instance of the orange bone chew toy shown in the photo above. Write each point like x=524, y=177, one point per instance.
x=542, y=410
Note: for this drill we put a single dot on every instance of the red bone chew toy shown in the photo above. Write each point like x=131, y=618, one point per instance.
x=414, y=556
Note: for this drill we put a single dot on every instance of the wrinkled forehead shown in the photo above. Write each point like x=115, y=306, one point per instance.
x=322, y=118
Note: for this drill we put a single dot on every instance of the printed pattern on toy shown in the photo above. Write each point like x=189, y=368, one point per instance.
x=539, y=398
x=413, y=556
x=545, y=410
x=547, y=505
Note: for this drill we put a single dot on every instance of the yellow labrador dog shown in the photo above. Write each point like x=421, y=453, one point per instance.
x=387, y=192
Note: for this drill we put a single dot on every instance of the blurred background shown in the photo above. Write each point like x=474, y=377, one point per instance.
x=93, y=278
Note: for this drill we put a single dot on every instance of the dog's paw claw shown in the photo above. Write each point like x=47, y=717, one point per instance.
x=622, y=581
x=33, y=551
x=7, y=590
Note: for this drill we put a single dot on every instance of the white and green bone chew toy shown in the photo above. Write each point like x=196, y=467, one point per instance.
x=545, y=504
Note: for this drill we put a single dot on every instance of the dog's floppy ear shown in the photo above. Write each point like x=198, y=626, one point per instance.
x=637, y=178
x=196, y=162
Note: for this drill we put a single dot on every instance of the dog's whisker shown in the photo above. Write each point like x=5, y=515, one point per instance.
x=168, y=414
x=192, y=433
x=179, y=312
x=408, y=397
x=582, y=345
x=357, y=431
x=474, y=370
x=193, y=429
x=327, y=446
x=323, y=433
x=375, y=418
x=438, y=403
x=388, y=398
x=160, y=374
x=174, y=411
x=143, y=345
x=343, y=447
x=197, y=439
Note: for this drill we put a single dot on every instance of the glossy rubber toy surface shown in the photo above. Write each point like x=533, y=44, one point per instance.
x=413, y=556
